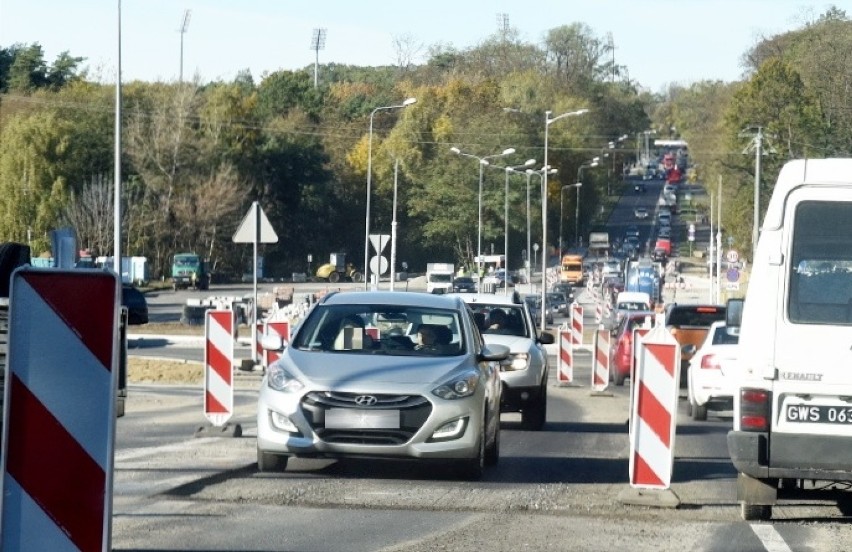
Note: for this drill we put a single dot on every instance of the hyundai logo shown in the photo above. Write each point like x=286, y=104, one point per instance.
x=366, y=400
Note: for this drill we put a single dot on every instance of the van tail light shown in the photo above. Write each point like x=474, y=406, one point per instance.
x=755, y=409
x=710, y=362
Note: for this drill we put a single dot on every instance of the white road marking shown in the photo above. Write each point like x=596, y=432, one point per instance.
x=770, y=538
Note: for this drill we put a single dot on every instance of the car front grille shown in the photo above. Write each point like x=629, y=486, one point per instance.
x=414, y=410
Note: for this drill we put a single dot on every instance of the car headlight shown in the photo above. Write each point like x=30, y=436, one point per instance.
x=281, y=380
x=461, y=386
x=516, y=361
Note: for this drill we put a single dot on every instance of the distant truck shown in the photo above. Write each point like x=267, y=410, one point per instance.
x=189, y=270
x=439, y=277
x=599, y=244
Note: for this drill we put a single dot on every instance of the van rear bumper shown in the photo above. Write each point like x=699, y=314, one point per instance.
x=778, y=455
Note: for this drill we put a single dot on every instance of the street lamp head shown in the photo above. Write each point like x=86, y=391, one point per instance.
x=508, y=151
x=553, y=171
x=455, y=150
x=529, y=163
x=577, y=185
x=595, y=160
x=409, y=101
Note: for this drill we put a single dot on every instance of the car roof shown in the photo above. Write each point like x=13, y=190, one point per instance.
x=411, y=298
x=485, y=298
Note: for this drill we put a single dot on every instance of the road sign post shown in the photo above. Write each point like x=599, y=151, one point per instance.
x=255, y=228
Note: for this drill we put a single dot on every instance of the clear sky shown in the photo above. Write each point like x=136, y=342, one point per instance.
x=660, y=41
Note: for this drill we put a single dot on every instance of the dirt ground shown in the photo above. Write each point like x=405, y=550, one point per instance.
x=143, y=370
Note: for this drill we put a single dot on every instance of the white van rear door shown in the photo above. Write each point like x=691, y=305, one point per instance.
x=813, y=336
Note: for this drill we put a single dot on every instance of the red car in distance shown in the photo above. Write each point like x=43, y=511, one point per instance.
x=622, y=350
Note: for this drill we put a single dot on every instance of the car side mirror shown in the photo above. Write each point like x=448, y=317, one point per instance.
x=272, y=342
x=734, y=312
x=546, y=338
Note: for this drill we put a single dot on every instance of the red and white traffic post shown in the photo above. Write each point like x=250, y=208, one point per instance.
x=60, y=410
x=219, y=370
x=565, y=365
x=653, y=418
x=600, y=368
x=576, y=324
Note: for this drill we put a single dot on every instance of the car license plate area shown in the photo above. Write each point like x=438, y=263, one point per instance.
x=351, y=418
x=818, y=414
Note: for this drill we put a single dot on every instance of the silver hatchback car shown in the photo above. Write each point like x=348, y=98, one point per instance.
x=505, y=320
x=386, y=375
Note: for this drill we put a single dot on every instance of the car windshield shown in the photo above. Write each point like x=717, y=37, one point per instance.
x=500, y=319
x=382, y=329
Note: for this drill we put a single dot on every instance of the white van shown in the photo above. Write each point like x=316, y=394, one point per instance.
x=792, y=429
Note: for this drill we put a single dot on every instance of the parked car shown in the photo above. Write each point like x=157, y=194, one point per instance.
x=136, y=304
x=524, y=373
x=360, y=379
x=711, y=377
x=464, y=284
x=621, y=350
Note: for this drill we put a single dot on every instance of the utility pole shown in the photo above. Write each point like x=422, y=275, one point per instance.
x=317, y=44
x=184, y=26
x=756, y=144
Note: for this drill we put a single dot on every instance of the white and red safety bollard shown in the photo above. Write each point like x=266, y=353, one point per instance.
x=218, y=366
x=600, y=368
x=654, y=410
x=576, y=324
x=565, y=365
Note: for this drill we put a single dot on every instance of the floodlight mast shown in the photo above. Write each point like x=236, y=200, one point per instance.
x=317, y=44
x=184, y=26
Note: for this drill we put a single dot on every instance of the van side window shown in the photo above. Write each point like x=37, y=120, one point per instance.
x=820, y=280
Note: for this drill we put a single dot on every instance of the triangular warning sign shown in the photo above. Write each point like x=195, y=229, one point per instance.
x=255, y=227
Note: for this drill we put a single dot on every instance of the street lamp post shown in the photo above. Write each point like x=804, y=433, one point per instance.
x=482, y=162
x=529, y=163
x=592, y=163
x=406, y=103
x=547, y=121
x=561, y=217
x=529, y=173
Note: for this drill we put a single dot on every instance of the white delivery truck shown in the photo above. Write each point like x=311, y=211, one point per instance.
x=792, y=430
x=439, y=277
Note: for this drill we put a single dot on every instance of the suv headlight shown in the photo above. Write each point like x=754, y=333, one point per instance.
x=461, y=386
x=281, y=380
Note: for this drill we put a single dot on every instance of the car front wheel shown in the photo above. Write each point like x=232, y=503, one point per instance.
x=471, y=469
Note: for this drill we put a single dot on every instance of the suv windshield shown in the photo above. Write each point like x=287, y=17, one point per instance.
x=381, y=329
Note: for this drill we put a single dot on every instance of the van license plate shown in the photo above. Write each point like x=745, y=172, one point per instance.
x=821, y=414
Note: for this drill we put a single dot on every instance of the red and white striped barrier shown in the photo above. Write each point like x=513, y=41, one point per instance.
x=600, y=370
x=218, y=366
x=60, y=410
x=576, y=324
x=565, y=370
x=260, y=353
x=654, y=411
x=281, y=329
